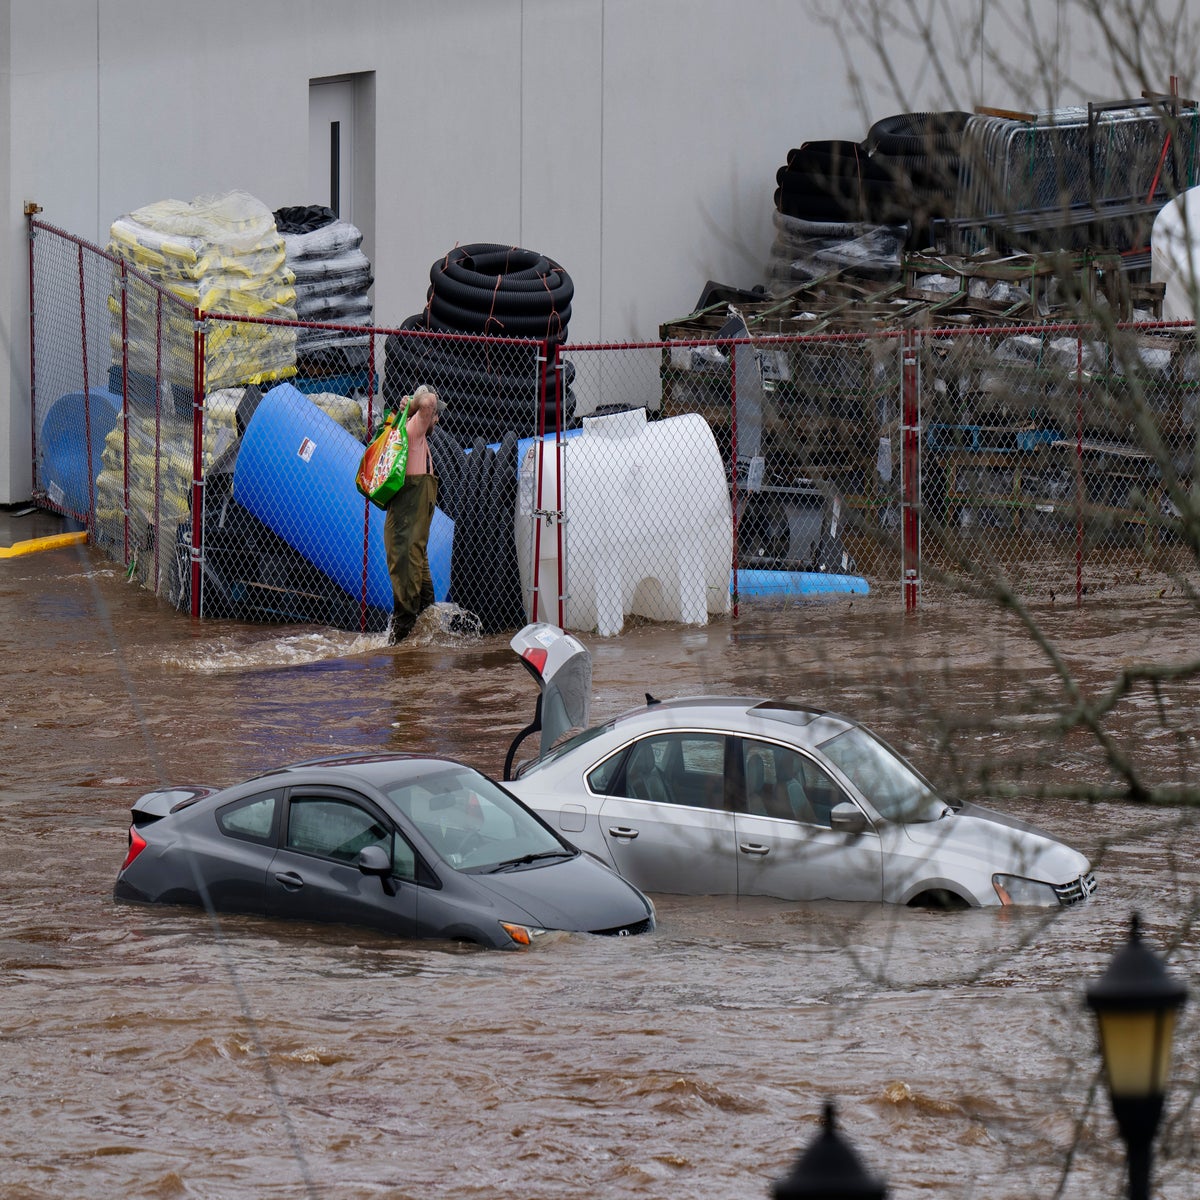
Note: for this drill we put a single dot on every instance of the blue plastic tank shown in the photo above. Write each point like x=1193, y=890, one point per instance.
x=295, y=472
x=63, y=447
x=751, y=581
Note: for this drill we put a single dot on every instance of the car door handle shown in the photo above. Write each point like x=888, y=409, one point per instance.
x=753, y=848
x=623, y=832
x=290, y=880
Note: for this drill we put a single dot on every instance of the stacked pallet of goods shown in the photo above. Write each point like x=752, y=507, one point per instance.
x=220, y=254
x=332, y=279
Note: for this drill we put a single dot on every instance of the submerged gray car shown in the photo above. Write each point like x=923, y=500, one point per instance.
x=753, y=796
x=414, y=846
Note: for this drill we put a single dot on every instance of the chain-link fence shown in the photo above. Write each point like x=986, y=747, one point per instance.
x=1037, y=457
x=112, y=384
x=1060, y=457
x=591, y=485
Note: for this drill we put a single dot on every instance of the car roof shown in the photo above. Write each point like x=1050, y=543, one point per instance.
x=739, y=713
x=793, y=711
x=372, y=767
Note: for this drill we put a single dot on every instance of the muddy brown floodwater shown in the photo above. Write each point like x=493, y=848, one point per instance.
x=163, y=1053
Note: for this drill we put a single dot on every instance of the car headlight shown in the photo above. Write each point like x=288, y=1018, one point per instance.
x=523, y=935
x=1013, y=889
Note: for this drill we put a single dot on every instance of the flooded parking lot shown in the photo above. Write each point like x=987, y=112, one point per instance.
x=164, y=1053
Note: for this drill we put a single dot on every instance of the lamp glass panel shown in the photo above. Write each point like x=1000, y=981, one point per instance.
x=1137, y=1051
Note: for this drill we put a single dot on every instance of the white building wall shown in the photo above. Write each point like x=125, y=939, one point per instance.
x=635, y=141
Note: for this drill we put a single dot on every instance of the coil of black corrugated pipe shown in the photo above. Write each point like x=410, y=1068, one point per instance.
x=467, y=363
x=447, y=317
x=486, y=392
x=917, y=133
x=487, y=289
x=449, y=465
x=502, y=291
x=459, y=277
x=507, y=268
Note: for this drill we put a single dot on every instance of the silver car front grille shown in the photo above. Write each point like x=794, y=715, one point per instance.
x=1077, y=890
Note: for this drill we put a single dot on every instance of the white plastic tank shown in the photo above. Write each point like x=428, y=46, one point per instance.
x=647, y=527
x=1175, y=255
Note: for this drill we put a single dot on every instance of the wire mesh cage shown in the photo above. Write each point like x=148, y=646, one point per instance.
x=1058, y=176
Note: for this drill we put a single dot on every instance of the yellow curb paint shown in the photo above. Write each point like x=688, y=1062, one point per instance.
x=33, y=545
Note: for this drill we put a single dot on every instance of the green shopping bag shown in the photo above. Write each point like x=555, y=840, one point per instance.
x=381, y=469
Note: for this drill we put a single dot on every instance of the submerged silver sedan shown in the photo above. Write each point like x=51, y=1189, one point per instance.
x=764, y=797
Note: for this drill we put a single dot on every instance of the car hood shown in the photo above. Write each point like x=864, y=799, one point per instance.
x=576, y=894
x=997, y=844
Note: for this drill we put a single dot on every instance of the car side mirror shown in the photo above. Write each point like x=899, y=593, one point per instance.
x=373, y=860
x=847, y=818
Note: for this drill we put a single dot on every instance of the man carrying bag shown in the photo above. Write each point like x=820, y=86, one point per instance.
x=409, y=516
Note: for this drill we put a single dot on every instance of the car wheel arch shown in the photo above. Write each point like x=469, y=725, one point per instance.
x=939, y=895
x=470, y=935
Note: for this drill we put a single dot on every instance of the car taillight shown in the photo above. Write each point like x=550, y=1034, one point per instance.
x=137, y=844
x=536, y=656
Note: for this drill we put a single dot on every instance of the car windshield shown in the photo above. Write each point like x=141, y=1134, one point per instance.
x=473, y=823
x=894, y=789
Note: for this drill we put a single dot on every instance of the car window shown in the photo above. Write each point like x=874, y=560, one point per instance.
x=675, y=768
x=252, y=819
x=780, y=782
x=404, y=860
x=893, y=788
x=330, y=827
x=600, y=779
x=470, y=821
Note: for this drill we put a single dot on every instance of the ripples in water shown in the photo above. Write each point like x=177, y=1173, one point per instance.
x=154, y=1051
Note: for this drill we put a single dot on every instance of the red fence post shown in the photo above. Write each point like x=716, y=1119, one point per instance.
x=910, y=472
x=158, y=394
x=733, y=469
x=198, y=349
x=1079, y=471
x=535, y=575
x=30, y=211
x=366, y=558
x=560, y=466
x=123, y=284
x=87, y=402
x=546, y=364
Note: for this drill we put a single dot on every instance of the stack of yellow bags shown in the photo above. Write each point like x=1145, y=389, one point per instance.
x=159, y=475
x=219, y=254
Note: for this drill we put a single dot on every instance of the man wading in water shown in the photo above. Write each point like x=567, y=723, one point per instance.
x=409, y=516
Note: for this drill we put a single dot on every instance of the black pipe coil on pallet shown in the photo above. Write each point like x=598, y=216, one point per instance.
x=485, y=289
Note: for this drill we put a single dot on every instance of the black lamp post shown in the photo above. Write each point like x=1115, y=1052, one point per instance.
x=829, y=1169
x=1136, y=1002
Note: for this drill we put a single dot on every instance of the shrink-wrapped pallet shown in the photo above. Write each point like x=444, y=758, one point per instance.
x=332, y=279
x=220, y=254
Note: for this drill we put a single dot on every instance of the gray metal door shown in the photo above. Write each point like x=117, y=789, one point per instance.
x=331, y=135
